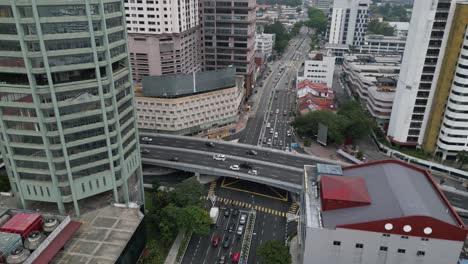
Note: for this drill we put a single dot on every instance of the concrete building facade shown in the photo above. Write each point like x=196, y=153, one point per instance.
x=265, y=43
x=164, y=37
x=376, y=212
x=67, y=119
x=229, y=37
x=430, y=105
x=347, y=22
x=320, y=68
x=191, y=103
x=323, y=5
x=380, y=44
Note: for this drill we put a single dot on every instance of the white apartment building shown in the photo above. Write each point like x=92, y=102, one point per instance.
x=189, y=103
x=377, y=212
x=430, y=103
x=401, y=28
x=347, y=22
x=381, y=44
x=265, y=43
x=164, y=37
x=320, y=69
x=373, y=79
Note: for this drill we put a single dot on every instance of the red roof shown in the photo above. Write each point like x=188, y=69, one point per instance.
x=343, y=192
x=318, y=87
x=23, y=223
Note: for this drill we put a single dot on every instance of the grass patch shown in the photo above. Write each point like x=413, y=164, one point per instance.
x=157, y=248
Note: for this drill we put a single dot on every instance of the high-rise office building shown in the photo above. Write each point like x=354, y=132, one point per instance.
x=67, y=117
x=229, y=36
x=323, y=5
x=430, y=107
x=164, y=37
x=347, y=22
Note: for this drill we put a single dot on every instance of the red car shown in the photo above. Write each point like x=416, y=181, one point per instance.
x=235, y=257
x=215, y=241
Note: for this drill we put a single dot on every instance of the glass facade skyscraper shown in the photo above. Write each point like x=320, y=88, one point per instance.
x=67, y=117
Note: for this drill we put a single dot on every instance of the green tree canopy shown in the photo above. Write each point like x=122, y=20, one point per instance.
x=317, y=20
x=280, y=2
x=282, y=36
x=186, y=193
x=274, y=252
x=391, y=12
x=380, y=28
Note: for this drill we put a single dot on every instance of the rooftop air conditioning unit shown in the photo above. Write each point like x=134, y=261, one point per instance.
x=33, y=240
x=18, y=255
x=50, y=224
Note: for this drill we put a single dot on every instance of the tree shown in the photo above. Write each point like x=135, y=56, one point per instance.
x=391, y=12
x=187, y=193
x=282, y=36
x=380, y=28
x=317, y=20
x=298, y=9
x=274, y=252
x=357, y=123
x=462, y=158
x=195, y=219
x=307, y=125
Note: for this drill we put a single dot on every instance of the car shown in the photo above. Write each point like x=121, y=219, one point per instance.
x=275, y=141
x=235, y=213
x=146, y=139
x=243, y=219
x=280, y=143
x=252, y=152
x=269, y=142
x=246, y=165
x=235, y=257
x=272, y=131
x=277, y=111
x=144, y=151
x=227, y=212
x=220, y=157
x=175, y=159
x=271, y=112
x=288, y=133
x=287, y=149
x=285, y=112
x=240, y=230
x=276, y=134
x=210, y=144
x=231, y=227
x=276, y=97
x=234, y=167
x=222, y=260
x=226, y=242
x=268, y=125
x=215, y=241
x=253, y=172
x=264, y=140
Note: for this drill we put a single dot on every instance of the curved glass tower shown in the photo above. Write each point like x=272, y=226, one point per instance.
x=67, y=119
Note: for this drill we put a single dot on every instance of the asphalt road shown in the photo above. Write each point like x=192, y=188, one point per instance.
x=457, y=200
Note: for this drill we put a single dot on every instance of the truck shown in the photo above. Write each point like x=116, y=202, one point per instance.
x=214, y=214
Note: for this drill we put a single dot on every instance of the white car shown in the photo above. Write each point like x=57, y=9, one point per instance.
x=276, y=134
x=269, y=142
x=277, y=111
x=268, y=124
x=220, y=157
x=146, y=139
x=272, y=131
x=234, y=167
x=253, y=172
x=240, y=230
x=288, y=133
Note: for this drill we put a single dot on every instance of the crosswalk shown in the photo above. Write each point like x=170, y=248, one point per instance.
x=248, y=205
x=211, y=191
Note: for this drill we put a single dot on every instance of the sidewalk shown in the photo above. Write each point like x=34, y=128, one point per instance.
x=294, y=250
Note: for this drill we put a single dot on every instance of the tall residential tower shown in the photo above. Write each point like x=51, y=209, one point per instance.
x=347, y=22
x=431, y=101
x=67, y=119
x=164, y=37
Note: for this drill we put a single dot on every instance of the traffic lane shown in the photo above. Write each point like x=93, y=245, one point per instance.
x=457, y=200
x=207, y=160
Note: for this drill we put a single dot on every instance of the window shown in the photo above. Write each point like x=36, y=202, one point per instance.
x=336, y=243
x=420, y=253
x=404, y=237
x=424, y=239
x=400, y=250
x=383, y=248
x=358, y=245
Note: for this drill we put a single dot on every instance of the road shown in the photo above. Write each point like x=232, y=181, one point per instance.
x=255, y=124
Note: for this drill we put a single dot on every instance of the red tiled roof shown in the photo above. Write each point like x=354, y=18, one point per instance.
x=57, y=243
x=318, y=87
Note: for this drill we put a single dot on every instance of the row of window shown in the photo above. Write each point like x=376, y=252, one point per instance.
x=419, y=253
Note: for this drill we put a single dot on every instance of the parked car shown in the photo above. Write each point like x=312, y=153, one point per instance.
x=234, y=167
x=285, y=112
x=231, y=227
x=252, y=152
x=288, y=133
x=215, y=241
x=272, y=130
x=146, y=139
x=243, y=219
x=264, y=140
x=276, y=134
x=280, y=143
x=269, y=142
x=253, y=172
x=210, y=144
x=227, y=212
x=220, y=157
x=144, y=151
x=277, y=111
x=222, y=260
x=235, y=213
x=240, y=230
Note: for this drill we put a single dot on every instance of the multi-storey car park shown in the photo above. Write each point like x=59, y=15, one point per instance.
x=67, y=118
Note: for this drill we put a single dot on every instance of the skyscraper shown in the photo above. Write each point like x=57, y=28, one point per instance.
x=430, y=107
x=347, y=22
x=229, y=36
x=164, y=37
x=67, y=119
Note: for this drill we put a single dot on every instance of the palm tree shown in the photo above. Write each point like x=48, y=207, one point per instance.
x=462, y=158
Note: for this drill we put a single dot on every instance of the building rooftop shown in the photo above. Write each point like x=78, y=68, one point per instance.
x=177, y=85
x=398, y=192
